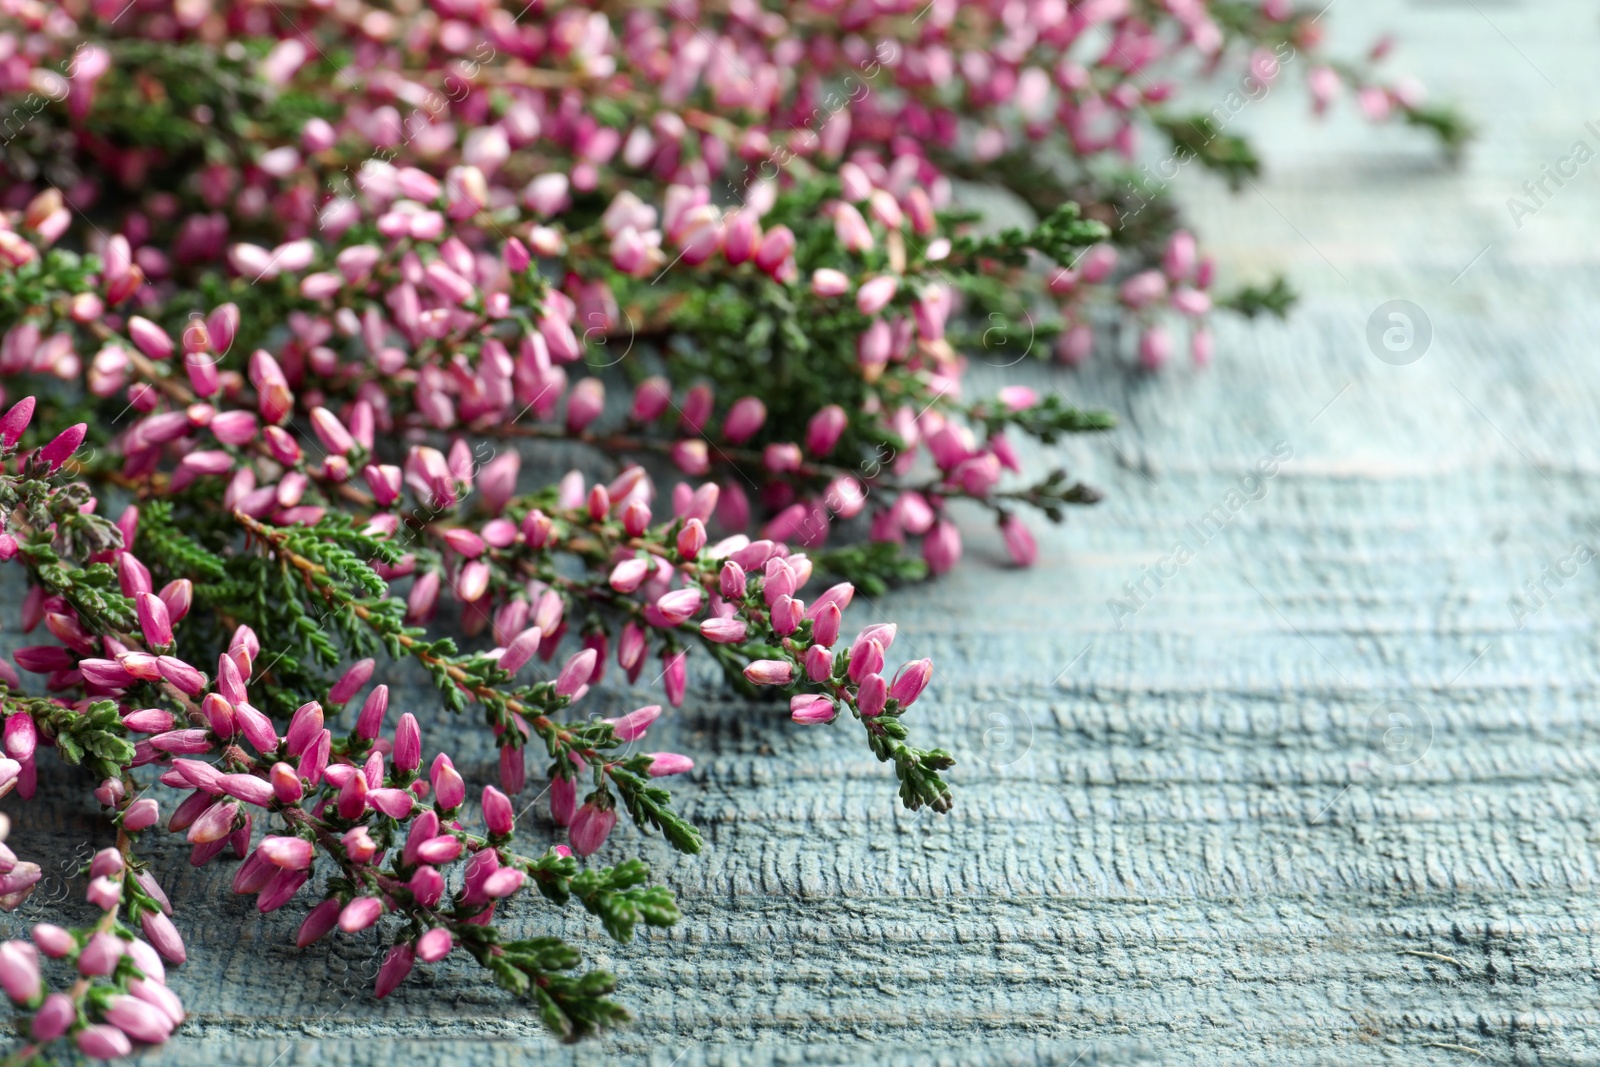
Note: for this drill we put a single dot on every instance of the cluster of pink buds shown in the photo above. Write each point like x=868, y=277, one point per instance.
x=120, y=996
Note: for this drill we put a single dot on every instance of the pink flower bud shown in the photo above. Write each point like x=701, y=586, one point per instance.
x=744, y=419
x=304, y=727
x=675, y=676
x=54, y=1018
x=776, y=247
x=590, y=828
x=331, y=432
x=21, y=737
x=585, y=403
x=731, y=581
x=396, y=966
x=292, y=853
x=99, y=956
x=319, y=923
x=809, y=709
x=151, y=339
x=16, y=421
x=352, y=800
x=258, y=728
x=286, y=783
x=819, y=663
x=497, y=812
x=435, y=945
x=278, y=892
x=827, y=282
x=941, y=548
x=825, y=623
x=139, y=1020
x=729, y=630
x=360, y=913
x=351, y=681
x=19, y=970
x=563, y=800
x=874, y=295
x=536, y=527
x=100, y=1041
x=665, y=763
x=105, y=893
x=650, y=399
x=448, y=788
x=106, y=863
x=635, y=517
x=577, y=671
x=769, y=672
x=214, y=824
x=407, y=744
x=872, y=695
x=910, y=682
x=61, y=448
x=633, y=725
x=141, y=814
x=678, y=606
x=369, y=724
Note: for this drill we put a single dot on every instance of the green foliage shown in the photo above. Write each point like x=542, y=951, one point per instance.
x=1197, y=137
x=1275, y=299
x=95, y=738
x=620, y=899
x=872, y=566
x=1058, y=237
x=1047, y=419
x=571, y=1006
x=1447, y=124
x=651, y=806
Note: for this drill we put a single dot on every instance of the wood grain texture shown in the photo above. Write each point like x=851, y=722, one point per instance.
x=1187, y=839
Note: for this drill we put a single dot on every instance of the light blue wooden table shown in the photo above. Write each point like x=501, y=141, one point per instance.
x=1324, y=798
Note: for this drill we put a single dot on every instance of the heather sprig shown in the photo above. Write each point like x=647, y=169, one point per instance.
x=293, y=291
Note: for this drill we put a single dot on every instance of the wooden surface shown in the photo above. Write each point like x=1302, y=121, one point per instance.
x=1199, y=838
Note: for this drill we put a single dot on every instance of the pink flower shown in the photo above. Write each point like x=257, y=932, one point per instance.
x=941, y=548
x=99, y=956
x=319, y=923
x=874, y=295
x=139, y=1020
x=57, y=452
x=435, y=945
x=407, y=744
x=100, y=1041
x=1155, y=347
x=666, y=763
x=576, y=673
x=590, y=828
x=744, y=419
x=293, y=853
x=633, y=725
x=151, y=339
x=769, y=672
x=910, y=682
x=497, y=812
x=19, y=970
x=563, y=800
x=679, y=605
x=54, y=1017
x=809, y=709
x=396, y=966
x=824, y=430
x=360, y=913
